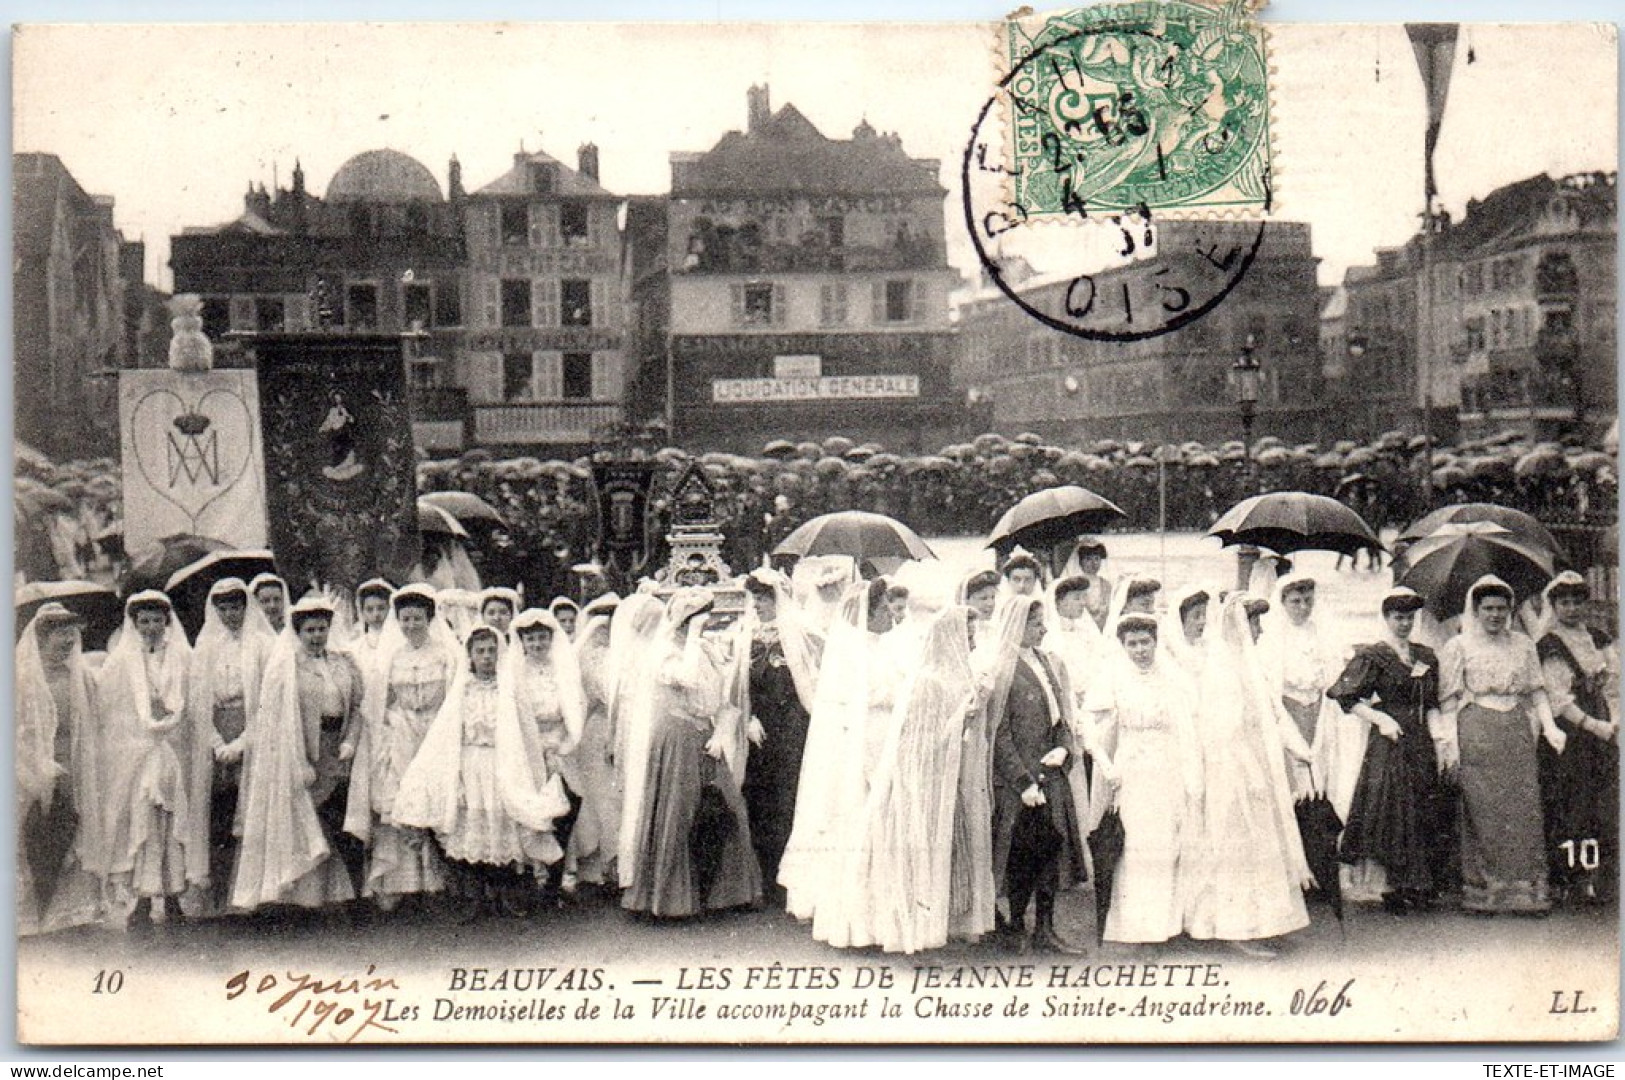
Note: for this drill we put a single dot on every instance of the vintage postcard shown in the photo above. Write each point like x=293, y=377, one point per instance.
x=1091, y=526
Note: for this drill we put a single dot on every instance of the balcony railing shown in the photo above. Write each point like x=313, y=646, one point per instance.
x=543, y=422
x=1518, y=390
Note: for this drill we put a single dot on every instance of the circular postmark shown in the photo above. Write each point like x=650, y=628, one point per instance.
x=1182, y=269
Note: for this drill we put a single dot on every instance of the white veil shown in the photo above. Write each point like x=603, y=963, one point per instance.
x=36, y=768
x=633, y=663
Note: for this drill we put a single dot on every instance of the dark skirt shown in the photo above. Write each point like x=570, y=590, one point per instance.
x=1503, y=859
x=1396, y=816
x=683, y=870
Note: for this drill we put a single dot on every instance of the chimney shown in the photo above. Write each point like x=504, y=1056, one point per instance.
x=758, y=108
x=298, y=177
x=587, y=161
x=454, y=179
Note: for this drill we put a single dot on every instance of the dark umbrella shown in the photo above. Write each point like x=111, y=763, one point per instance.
x=1050, y=517
x=1521, y=525
x=1319, y=827
x=874, y=538
x=188, y=587
x=1444, y=565
x=465, y=506
x=434, y=519
x=98, y=605
x=1288, y=521
x=1106, y=847
x=154, y=569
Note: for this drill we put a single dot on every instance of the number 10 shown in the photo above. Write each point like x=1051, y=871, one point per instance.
x=1590, y=857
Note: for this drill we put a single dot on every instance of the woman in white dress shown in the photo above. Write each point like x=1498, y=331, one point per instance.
x=1145, y=747
x=590, y=855
x=1247, y=865
x=473, y=783
x=858, y=680
x=915, y=792
x=1303, y=658
x=417, y=665
x=552, y=714
x=157, y=840
x=60, y=779
x=634, y=635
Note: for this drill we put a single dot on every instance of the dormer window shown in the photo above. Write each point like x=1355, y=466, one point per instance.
x=543, y=177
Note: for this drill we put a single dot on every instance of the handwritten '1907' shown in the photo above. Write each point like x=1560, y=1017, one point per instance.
x=320, y=1002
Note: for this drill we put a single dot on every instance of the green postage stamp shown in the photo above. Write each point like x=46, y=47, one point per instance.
x=1116, y=107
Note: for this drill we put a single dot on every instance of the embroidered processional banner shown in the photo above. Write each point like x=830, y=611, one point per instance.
x=192, y=461
x=341, y=477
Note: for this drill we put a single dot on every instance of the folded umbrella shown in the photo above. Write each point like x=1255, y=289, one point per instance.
x=1319, y=828
x=1106, y=848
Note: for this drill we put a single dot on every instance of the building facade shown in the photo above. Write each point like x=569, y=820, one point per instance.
x=1167, y=388
x=803, y=286
x=1503, y=320
x=544, y=350
x=484, y=284
x=79, y=306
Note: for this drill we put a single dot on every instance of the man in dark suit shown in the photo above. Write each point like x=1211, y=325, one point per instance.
x=1036, y=844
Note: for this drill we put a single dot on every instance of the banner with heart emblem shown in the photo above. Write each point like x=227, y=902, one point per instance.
x=192, y=460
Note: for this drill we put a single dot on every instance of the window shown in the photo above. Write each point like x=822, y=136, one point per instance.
x=515, y=225
x=573, y=222
x=268, y=314
x=832, y=305
x=361, y=307
x=216, y=317
x=448, y=305
x=898, y=297
x=424, y=373
x=834, y=230
x=417, y=305
x=515, y=302
x=758, y=305
x=543, y=177
x=516, y=376
x=575, y=299
x=417, y=219
x=578, y=376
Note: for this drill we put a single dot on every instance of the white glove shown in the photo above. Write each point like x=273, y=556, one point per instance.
x=1033, y=796
x=755, y=733
x=1556, y=738
x=1054, y=759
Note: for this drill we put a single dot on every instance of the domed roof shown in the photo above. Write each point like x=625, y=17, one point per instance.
x=383, y=176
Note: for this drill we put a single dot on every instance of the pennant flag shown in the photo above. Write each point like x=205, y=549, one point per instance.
x=1435, y=47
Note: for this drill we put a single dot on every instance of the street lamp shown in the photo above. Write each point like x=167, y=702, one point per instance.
x=1248, y=373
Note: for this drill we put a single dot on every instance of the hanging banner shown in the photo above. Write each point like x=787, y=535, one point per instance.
x=623, y=507
x=191, y=457
x=341, y=475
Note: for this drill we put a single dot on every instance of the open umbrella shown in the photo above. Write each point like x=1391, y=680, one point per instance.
x=435, y=519
x=779, y=448
x=189, y=586
x=1443, y=565
x=98, y=605
x=1052, y=516
x=467, y=507
x=153, y=568
x=1288, y=521
x=1106, y=850
x=874, y=538
x=1521, y=525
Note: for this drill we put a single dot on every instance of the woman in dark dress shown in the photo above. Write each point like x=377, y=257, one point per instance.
x=777, y=731
x=1579, y=787
x=1396, y=822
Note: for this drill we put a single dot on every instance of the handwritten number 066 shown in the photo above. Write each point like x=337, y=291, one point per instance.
x=1590, y=856
x=108, y=982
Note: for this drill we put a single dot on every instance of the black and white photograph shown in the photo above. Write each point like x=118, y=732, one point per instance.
x=1095, y=526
